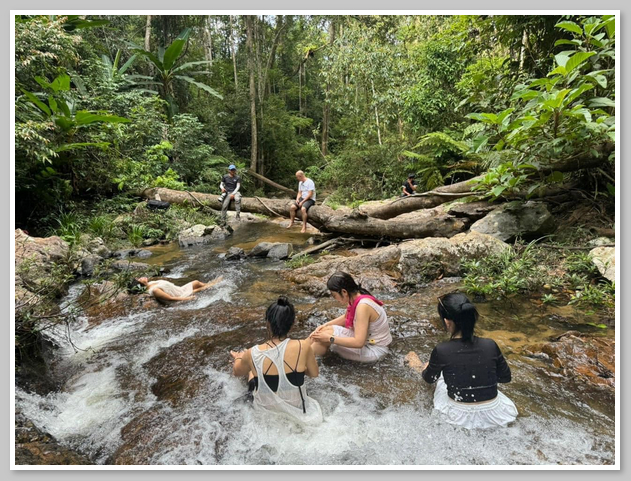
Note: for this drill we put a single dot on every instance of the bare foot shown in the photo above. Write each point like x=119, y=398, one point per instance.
x=412, y=360
x=212, y=283
x=303, y=230
x=290, y=225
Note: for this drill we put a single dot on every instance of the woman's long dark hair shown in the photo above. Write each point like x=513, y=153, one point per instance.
x=457, y=308
x=280, y=316
x=343, y=280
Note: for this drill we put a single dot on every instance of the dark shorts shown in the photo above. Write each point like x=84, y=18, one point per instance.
x=308, y=203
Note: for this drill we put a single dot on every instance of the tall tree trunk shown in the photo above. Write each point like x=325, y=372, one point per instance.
x=522, y=50
x=372, y=85
x=249, y=25
x=208, y=40
x=234, y=59
x=148, y=34
x=326, y=111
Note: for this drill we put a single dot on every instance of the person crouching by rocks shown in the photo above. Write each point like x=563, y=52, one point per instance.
x=304, y=200
x=466, y=370
x=362, y=333
x=276, y=369
x=167, y=292
x=230, y=185
x=409, y=186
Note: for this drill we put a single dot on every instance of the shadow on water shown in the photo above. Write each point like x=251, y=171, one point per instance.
x=154, y=387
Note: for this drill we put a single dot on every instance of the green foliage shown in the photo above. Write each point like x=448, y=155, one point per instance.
x=299, y=260
x=505, y=274
x=440, y=157
x=136, y=235
x=557, y=117
x=167, y=72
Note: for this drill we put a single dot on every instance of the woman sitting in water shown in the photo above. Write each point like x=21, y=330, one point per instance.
x=166, y=291
x=466, y=370
x=276, y=369
x=363, y=333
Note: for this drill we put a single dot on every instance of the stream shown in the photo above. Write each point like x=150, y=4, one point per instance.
x=155, y=386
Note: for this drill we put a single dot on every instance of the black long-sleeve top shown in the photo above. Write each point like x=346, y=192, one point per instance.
x=471, y=369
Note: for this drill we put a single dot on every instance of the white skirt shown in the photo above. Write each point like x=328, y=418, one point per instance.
x=368, y=353
x=497, y=412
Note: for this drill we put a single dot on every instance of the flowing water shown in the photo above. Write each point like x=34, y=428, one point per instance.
x=154, y=387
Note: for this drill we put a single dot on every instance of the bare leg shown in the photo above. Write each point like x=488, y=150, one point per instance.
x=200, y=286
x=304, y=220
x=292, y=215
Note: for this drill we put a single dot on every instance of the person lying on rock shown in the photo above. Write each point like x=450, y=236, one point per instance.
x=363, y=333
x=276, y=369
x=166, y=291
x=466, y=370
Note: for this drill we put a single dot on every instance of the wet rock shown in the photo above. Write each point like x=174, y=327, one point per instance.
x=280, y=251
x=604, y=258
x=124, y=253
x=375, y=269
x=234, y=254
x=143, y=254
x=106, y=300
x=261, y=250
x=221, y=233
x=35, y=447
x=125, y=265
x=580, y=356
x=199, y=234
x=528, y=220
x=150, y=242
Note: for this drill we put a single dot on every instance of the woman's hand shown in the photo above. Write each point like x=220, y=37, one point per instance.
x=320, y=335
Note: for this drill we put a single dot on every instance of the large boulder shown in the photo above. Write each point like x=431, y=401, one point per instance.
x=199, y=234
x=605, y=260
x=280, y=251
x=429, y=258
x=262, y=249
x=36, y=256
x=526, y=219
x=375, y=269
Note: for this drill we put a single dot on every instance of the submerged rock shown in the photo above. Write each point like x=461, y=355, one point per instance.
x=35, y=447
x=234, y=254
x=143, y=254
x=581, y=356
x=529, y=219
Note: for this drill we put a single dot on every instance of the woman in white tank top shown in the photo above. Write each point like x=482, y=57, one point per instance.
x=363, y=333
x=276, y=369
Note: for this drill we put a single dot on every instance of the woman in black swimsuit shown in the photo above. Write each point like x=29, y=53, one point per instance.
x=276, y=369
x=467, y=369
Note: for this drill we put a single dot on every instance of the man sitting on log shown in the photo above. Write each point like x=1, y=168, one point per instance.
x=304, y=200
x=409, y=186
x=230, y=185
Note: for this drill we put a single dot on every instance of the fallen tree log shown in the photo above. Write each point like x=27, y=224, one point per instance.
x=271, y=182
x=440, y=195
x=424, y=223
